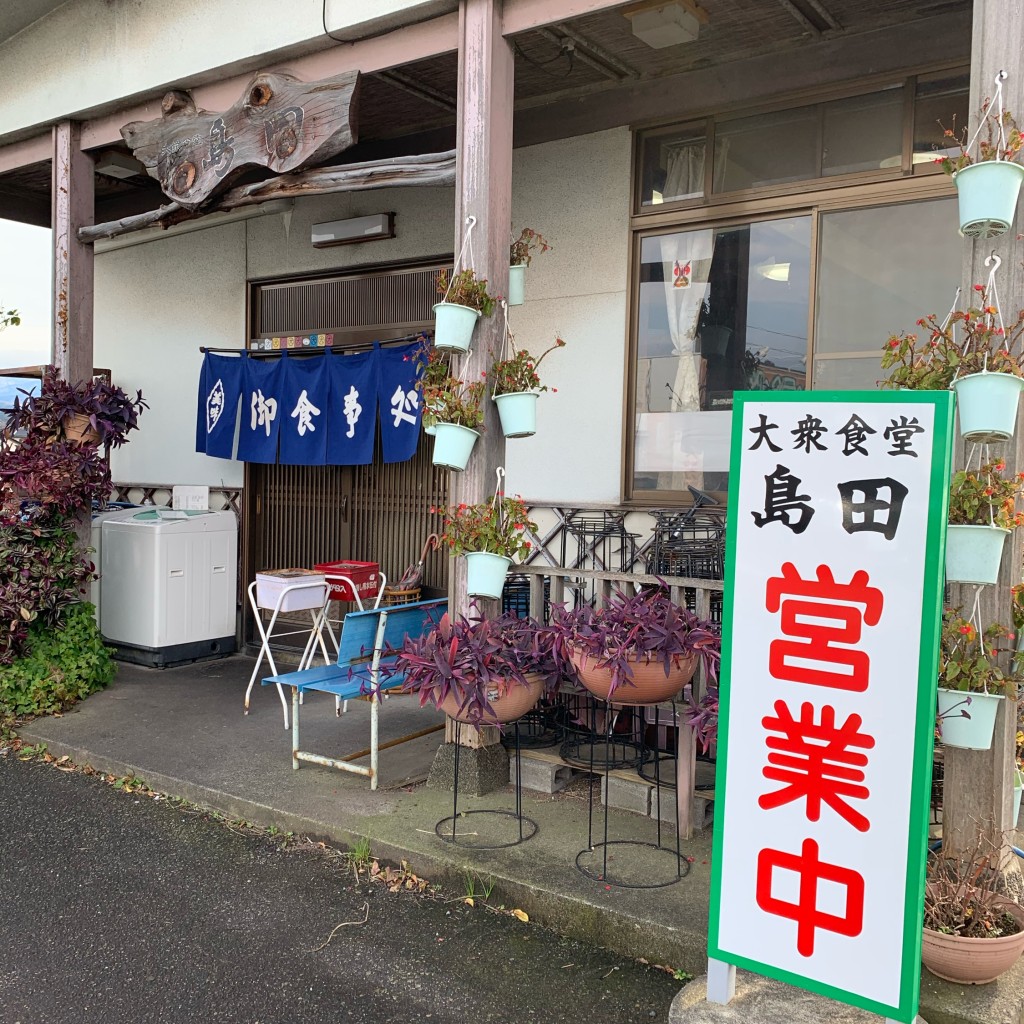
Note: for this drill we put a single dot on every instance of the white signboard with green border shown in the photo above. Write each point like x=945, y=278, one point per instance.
x=833, y=601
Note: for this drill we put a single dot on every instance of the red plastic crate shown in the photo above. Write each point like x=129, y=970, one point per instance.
x=364, y=575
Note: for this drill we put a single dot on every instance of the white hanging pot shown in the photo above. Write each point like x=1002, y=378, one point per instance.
x=518, y=413
x=987, y=405
x=453, y=325
x=987, y=194
x=973, y=553
x=485, y=573
x=1018, y=789
x=517, y=284
x=453, y=445
x=967, y=725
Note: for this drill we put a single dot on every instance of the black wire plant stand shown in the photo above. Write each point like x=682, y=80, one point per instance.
x=524, y=828
x=601, y=774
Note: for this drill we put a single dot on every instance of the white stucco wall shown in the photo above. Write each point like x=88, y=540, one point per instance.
x=156, y=303
x=90, y=53
x=575, y=192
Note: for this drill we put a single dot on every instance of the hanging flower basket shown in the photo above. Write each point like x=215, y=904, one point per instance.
x=987, y=405
x=486, y=572
x=974, y=553
x=975, y=732
x=987, y=194
x=453, y=445
x=518, y=413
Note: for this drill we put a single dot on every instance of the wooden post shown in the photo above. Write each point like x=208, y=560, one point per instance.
x=483, y=189
x=978, y=785
x=72, y=207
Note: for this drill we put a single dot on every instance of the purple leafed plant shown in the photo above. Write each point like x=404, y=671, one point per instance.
x=646, y=626
x=468, y=658
x=702, y=716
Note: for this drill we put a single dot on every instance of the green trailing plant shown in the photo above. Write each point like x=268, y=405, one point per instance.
x=968, y=341
x=998, y=139
x=498, y=526
x=522, y=250
x=59, y=665
x=985, y=497
x=464, y=288
x=518, y=373
x=9, y=318
x=451, y=400
x=973, y=663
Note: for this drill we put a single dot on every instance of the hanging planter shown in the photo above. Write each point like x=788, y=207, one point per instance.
x=517, y=284
x=518, y=413
x=486, y=572
x=453, y=445
x=974, y=553
x=987, y=194
x=987, y=405
x=520, y=253
x=464, y=300
x=987, y=179
x=454, y=325
x=516, y=386
x=959, y=730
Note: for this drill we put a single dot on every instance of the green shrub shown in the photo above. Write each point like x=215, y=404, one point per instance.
x=60, y=665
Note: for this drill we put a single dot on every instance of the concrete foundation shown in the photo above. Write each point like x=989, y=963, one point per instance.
x=481, y=769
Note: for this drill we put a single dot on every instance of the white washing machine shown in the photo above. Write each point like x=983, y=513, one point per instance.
x=168, y=584
x=96, y=543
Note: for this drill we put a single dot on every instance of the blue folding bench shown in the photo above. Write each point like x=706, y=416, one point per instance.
x=364, y=637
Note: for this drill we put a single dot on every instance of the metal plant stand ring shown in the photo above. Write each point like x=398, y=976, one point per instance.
x=681, y=866
x=447, y=828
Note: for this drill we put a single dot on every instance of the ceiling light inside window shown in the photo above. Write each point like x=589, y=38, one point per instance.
x=773, y=271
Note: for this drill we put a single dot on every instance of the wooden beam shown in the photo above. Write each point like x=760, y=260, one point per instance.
x=978, y=784
x=525, y=15
x=72, y=199
x=603, y=56
x=35, y=150
x=483, y=190
x=278, y=123
x=418, y=89
x=390, y=50
x=432, y=169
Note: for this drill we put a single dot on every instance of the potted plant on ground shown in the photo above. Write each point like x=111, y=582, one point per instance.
x=480, y=671
x=988, y=179
x=973, y=932
x=982, y=511
x=971, y=680
x=520, y=255
x=490, y=535
x=638, y=648
x=464, y=300
x=89, y=412
x=453, y=409
x=516, y=386
x=974, y=352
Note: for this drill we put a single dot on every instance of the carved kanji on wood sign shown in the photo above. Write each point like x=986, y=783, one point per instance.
x=281, y=124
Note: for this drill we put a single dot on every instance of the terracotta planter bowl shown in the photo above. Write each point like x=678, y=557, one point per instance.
x=650, y=684
x=79, y=430
x=507, y=707
x=972, y=961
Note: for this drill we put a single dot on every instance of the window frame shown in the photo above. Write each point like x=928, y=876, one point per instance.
x=813, y=198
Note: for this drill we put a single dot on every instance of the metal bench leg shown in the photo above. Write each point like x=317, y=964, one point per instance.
x=295, y=727
x=374, y=754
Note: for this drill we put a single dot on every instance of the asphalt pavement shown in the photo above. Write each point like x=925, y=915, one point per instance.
x=121, y=909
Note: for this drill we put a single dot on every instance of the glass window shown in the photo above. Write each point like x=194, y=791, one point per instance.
x=941, y=102
x=718, y=309
x=863, y=133
x=879, y=270
x=672, y=167
x=767, y=149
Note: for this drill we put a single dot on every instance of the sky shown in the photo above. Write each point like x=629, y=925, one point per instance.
x=25, y=286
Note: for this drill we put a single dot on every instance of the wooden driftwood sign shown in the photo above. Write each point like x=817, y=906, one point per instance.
x=281, y=124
